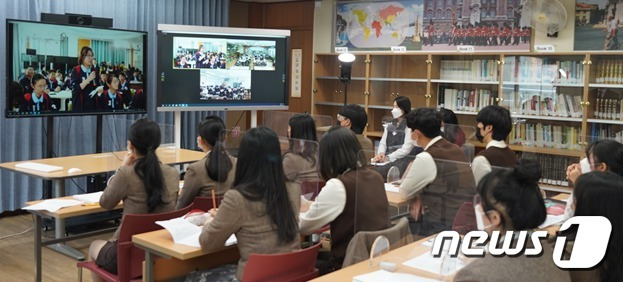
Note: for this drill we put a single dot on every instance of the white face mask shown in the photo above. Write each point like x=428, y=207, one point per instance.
x=396, y=113
x=480, y=224
x=585, y=166
x=442, y=129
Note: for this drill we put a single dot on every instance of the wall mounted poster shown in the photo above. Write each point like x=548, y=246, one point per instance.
x=432, y=25
x=597, y=23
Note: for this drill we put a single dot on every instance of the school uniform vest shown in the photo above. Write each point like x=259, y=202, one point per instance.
x=453, y=185
x=502, y=157
x=365, y=209
x=395, y=136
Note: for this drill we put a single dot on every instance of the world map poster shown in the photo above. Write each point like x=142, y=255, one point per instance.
x=366, y=26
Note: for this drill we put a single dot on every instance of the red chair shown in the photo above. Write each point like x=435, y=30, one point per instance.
x=205, y=203
x=292, y=267
x=129, y=258
x=465, y=219
x=312, y=187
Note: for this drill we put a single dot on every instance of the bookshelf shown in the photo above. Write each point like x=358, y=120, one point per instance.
x=566, y=100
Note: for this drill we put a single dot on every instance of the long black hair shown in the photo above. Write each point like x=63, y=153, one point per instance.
x=145, y=137
x=600, y=193
x=212, y=131
x=339, y=152
x=515, y=194
x=303, y=127
x=260, y=177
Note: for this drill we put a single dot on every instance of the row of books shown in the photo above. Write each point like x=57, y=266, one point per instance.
x=556, y=105
x=545, y=136
x=553, y=168
x=543, y=70
x=608, y=108
x=466, y=100
x=476, y=70
x=605, y=131
x=609, y=72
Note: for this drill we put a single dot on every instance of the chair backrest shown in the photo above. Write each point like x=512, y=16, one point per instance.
x=206, y=203
x=360, y=245
x=465, y=219
x=312, y=187
x=295, y=266
x=129, y=258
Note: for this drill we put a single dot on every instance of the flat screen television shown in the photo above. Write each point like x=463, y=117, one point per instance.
x=216, y=68
x=56, y=69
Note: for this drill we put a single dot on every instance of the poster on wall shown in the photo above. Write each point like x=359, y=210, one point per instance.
x=597, y=23
x=433, y=25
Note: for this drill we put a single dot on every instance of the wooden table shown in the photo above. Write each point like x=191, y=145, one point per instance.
x=175, y=259
x=89, y=165
x=61, y=215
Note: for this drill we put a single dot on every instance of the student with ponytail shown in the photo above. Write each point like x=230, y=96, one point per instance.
x=215, y=171
x=261, y=208
x=511, y=200
x=143, y=184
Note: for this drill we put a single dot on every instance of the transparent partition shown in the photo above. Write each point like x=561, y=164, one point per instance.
x=279, y=122
x=301, y=165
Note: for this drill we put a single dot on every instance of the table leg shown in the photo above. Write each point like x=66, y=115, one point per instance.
x=59, y=226
x=38, y=227
x=149, y=267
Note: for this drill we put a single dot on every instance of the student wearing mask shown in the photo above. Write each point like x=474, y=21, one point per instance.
x=261, y=208
x=494, y=125
x=600, y=193
x=439, y=179
x=112, y=99
x=300, y=162
x=216, y=171
x=512, y=201
x=352, y=191
x=354, y=117
x=143, y=183
x=85, y=83
x=396, y=142
x=38, y=100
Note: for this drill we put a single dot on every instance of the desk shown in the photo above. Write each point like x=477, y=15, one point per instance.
x=61, y=215
x=177, y=259
x=92, y=164
x=397, y=256
x=63, y=95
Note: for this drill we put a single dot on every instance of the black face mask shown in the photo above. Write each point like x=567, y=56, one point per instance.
x=479, y=136
x=338, y=123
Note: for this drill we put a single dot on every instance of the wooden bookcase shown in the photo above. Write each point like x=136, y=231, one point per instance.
x=590, y=81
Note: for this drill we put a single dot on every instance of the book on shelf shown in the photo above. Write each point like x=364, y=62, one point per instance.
x=472, y=70
x=531, y=102
x=553, y=168
x=609, y=72
x=605, y=131
x=543, y=70
x=608, y=108
x=469, y=100
x=545, y=136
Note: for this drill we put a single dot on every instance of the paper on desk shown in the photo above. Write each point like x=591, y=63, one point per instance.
x=386, y=276
x=186, y=233
x=378, y=164
x=432, y=264
x=53, y=205
x=89, y=198
x=551, y=220
x=392, y=188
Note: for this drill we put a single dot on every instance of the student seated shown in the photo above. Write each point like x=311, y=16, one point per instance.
x=600, y=193
x=38, y=100
x=111, y=99
x=450, y=127
x=300, y=161
x=352, y=191
x=354, y=117
x=442, y=166
x=494, y=125
x=216, y=171
x=396, y=142
x=512, y=201
x=601, y=155
x=143, y=184
x=261, y=208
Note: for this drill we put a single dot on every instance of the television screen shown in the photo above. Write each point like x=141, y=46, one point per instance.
x=55, y=69
x=215, y=68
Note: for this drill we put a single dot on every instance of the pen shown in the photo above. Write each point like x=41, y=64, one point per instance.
x=213, y=200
